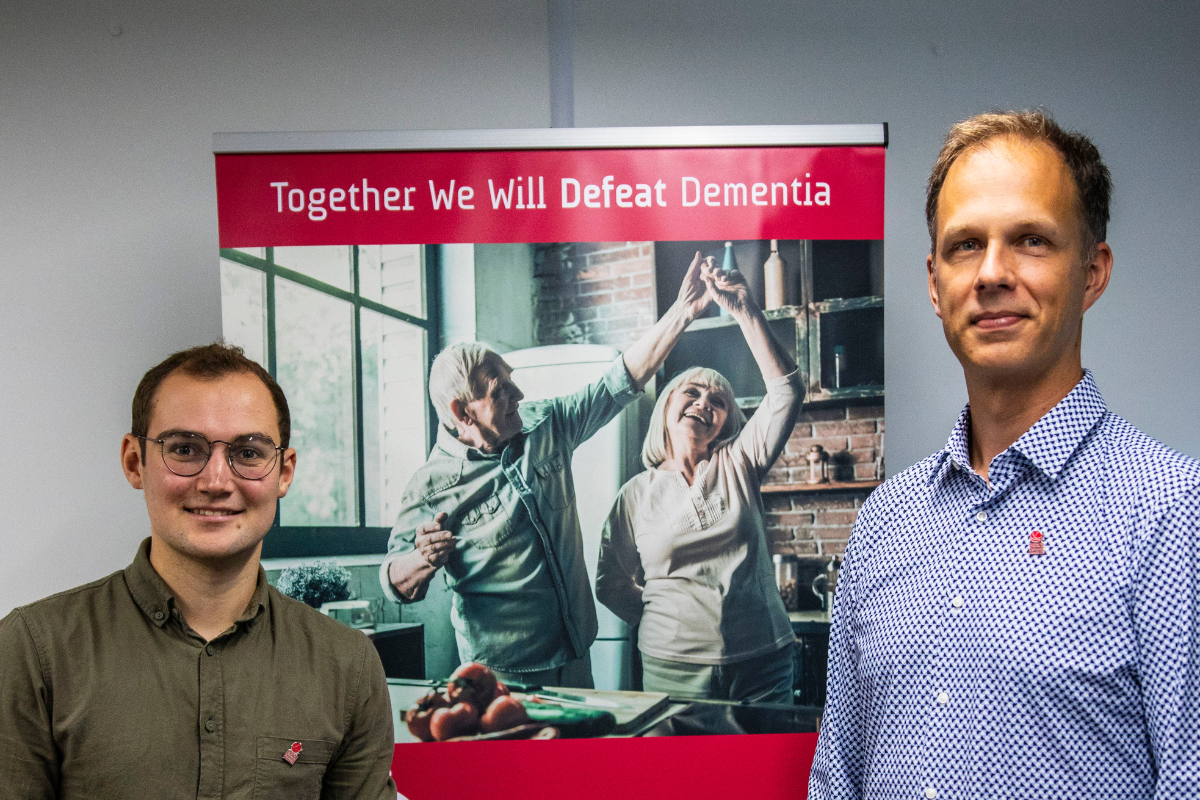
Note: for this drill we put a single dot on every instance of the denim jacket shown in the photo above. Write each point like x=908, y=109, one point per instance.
x=522, y=601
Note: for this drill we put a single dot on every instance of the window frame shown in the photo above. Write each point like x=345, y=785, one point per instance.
x=308, y=541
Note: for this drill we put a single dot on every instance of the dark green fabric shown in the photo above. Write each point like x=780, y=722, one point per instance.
x=105, y=692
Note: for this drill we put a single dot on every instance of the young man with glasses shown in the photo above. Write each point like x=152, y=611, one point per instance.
x=185, y=672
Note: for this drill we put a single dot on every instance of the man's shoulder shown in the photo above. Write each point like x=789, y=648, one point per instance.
x=324, y=632
x=441, y=471
x=67, y=608
x=1144, y=467
x=903, y=488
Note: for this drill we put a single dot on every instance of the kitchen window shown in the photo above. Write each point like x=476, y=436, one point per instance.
x=346, y=331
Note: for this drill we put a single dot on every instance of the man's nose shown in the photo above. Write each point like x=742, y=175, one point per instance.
x=995, y=268
x=216, y=473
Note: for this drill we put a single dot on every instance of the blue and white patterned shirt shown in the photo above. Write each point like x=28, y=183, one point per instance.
x=962, y=664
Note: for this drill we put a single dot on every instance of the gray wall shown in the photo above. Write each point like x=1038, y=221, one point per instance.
x=107, y=213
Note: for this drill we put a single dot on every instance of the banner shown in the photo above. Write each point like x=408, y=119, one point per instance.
x=549, y=196
x=348, y=260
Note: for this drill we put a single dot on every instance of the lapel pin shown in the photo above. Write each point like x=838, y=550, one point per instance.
x=292, y=753
x=1037, y=544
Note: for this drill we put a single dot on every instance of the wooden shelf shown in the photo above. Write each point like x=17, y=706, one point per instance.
x=832, y=486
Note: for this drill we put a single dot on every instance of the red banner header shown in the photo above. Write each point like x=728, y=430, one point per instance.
x=405, y=197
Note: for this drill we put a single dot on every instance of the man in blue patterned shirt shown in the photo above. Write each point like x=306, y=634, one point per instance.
x=1016, y=614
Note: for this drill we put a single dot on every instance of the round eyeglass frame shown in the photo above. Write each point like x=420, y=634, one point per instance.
x=162, y=450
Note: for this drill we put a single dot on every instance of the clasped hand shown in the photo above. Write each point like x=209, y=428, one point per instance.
x=707, y=283
x=433, y=542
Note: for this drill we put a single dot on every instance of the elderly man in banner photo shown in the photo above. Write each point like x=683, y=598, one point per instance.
x=186, y=674
x=1016, y=614
x=495, y=507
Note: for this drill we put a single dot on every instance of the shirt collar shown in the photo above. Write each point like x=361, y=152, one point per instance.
x=450, y=443
x=1049, y=443
x=156, y=600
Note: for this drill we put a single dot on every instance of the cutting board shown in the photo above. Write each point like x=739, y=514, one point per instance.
x=633, y=709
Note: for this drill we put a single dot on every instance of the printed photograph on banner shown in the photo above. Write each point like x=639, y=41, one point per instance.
x=622, y=589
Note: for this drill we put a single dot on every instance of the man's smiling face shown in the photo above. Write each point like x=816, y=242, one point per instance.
x=214, y=515
x=1010, y=277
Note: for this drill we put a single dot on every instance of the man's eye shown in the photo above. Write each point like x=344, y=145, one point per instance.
x=1034, y=241
x=970, y=244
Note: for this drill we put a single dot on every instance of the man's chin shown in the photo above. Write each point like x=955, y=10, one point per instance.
x=216, y=547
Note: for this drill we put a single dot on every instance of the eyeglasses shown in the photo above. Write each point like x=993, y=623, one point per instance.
x=187, y=454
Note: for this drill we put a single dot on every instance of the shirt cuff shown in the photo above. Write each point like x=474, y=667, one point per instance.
x=619, y=383
x=389, y=591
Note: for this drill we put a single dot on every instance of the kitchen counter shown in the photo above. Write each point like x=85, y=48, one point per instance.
x=680, y=717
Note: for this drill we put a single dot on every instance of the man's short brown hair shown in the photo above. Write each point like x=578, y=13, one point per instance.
x=1093, y=184
x=207, y=362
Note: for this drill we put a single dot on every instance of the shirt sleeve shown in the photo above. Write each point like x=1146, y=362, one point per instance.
x=579, y=415
x=361, y=768
x=29, y=760
x=401, y=541
x=1166, y=607
x=765, y=434
x=838, y=764
x=619, y=575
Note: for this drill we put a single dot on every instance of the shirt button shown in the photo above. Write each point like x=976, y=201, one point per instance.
x=209, y=649
x=981, y=516
x=210, y=726
x=957, y=602
x=159, y=616
x=930, y=792
x=943, y=698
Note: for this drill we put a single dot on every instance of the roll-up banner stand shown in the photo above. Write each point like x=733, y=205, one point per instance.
x=349, y=259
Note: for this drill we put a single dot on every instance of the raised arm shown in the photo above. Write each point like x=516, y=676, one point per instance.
x=649, y=352
x=767, y=432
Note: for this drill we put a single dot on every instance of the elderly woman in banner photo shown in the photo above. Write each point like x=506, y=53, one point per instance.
x=684, y=551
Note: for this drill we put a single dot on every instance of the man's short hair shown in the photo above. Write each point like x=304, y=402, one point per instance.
x=654, y=449
x=458, y=374
x=206, y=362
x=1093, y=184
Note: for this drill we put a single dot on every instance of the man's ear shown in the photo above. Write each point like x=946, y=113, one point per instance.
x=131, y=460
x=1099, y=270
x=933, y=292
x=287, y=470
x=462, y=415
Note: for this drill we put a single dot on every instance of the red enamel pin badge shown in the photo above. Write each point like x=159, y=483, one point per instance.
x=292, y=753
x=1037, y=544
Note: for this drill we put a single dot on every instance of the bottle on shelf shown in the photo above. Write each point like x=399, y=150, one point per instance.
x=729, y=264
x=773, y=280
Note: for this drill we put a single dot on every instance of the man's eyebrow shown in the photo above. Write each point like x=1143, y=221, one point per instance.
x=186, y=432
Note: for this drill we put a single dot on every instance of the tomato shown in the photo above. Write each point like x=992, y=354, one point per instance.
x=505, y=712
x=419, y=716
x=472, y=683
x=461, y=719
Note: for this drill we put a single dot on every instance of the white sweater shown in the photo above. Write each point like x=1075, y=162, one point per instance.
x=690, y=564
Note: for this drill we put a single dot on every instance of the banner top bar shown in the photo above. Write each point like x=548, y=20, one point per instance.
x=556, y=138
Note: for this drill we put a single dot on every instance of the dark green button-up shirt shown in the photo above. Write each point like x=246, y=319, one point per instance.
x=105, y=692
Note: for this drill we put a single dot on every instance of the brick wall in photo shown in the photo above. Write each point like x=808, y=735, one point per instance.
x=805, y=523
x=594, y=292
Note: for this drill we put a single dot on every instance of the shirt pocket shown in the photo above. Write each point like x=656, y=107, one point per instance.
x=274, y=777
x=484, y=524
x=554, y=485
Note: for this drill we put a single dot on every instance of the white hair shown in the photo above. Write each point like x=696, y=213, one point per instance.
x=655, y=449
x=455, y=375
